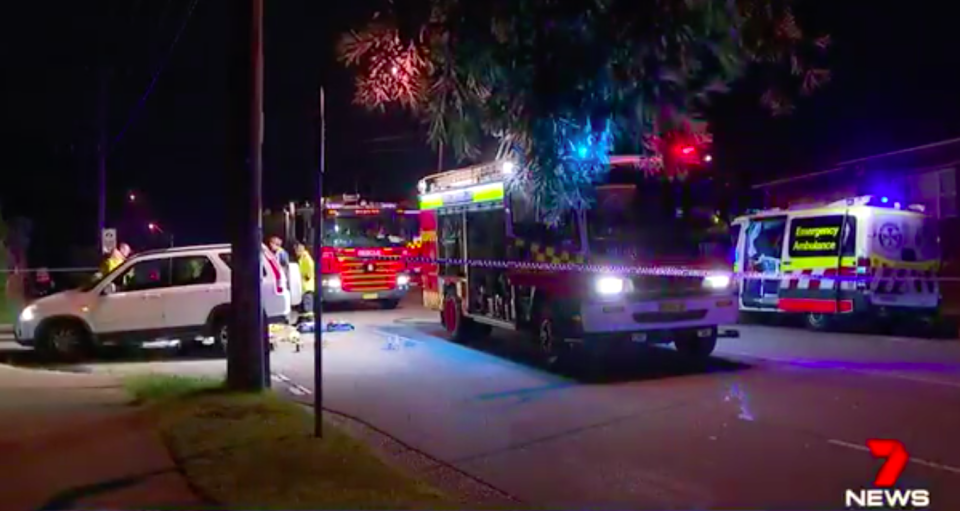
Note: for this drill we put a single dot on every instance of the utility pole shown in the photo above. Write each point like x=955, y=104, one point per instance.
x=317, y=279
x=247, y=350
x=102, y=156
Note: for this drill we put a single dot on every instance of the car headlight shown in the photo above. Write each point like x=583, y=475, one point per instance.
x=333, y=283
x=403, y=280
x=716, y=281
x=28, y=313
x=609, y=285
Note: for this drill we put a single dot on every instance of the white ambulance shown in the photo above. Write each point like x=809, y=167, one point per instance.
x=860, y=257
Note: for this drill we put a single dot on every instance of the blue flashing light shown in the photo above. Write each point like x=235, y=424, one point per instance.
x=582, y=151
x=884, y=200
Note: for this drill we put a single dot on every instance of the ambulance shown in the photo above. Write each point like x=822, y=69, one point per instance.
x=864, y=257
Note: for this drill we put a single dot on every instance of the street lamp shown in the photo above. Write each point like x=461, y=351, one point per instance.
x=153, y=227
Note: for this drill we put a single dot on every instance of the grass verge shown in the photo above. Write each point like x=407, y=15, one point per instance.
x=256, y=451
x=9, y=310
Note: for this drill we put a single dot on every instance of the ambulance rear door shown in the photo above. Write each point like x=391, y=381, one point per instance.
x=904, y=249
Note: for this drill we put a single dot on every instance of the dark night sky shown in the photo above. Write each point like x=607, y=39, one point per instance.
x=895, y=82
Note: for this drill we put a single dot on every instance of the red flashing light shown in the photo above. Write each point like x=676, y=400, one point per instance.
x=688, y=150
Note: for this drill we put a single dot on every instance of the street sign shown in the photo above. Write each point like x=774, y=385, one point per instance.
x=108, y=240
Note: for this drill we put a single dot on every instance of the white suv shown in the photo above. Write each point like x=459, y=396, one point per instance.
x=178, y=293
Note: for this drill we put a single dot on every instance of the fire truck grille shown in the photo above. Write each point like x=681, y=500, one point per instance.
x=364, y=276
x=657, y=286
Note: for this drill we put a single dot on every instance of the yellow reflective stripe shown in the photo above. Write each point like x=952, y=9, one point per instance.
x=814, y=263
x=879, y=261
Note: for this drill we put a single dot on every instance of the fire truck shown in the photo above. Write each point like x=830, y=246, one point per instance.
x=360, y=238
x=500, y=265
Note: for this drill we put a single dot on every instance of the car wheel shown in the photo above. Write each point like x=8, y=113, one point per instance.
x=221, y=333
x=696, y=349
x=65, y=340
x=818, y=321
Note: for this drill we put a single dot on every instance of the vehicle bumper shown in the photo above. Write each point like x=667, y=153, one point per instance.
x=624, y=318
x=24, y=334
x=340, y=296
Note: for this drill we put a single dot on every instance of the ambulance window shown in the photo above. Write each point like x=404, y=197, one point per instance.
x=819, y=236
x=734, y=238
x=764, y=247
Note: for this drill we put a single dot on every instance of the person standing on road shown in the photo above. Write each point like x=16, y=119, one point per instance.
x=276, y=246
x=307, y=269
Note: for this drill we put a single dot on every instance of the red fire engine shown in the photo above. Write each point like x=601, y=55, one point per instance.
x=359, y=238
x=502, y=266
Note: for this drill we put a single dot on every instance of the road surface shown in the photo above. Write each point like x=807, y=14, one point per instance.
x=778, y=421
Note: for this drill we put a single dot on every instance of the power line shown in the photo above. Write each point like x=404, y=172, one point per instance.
x=138, y=108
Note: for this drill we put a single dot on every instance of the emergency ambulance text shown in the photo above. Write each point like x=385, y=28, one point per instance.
x=815, y=244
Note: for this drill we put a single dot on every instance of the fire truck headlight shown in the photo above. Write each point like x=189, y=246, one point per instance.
x=716, y=281
x=403, y=280
x=333, y=283
x=609, y=286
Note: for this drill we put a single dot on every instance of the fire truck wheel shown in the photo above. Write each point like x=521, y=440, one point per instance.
x=459, y=327
x=389, y=304
x=553, y=351
x=696, y=348
x=818, y=322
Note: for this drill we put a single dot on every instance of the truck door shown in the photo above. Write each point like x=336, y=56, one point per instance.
x=762, y=255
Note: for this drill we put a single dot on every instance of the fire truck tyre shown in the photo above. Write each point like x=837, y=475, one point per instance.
x=552, y=350
x=389, y=304
x=696, y=348
x=459, y=327
x=819, y=322
x=64, y=339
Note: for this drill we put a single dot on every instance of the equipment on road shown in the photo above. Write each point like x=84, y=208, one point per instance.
x=859, y=257
x=481, y=213
x=359, y=238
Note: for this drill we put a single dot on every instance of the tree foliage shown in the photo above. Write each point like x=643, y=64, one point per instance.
x=562, y=83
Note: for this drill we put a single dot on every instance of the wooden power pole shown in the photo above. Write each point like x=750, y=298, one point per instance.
x=247, y=352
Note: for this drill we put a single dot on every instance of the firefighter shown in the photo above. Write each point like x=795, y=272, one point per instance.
x=307, y=269
x=116, y=258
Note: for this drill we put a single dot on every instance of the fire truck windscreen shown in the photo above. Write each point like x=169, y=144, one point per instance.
x=364, y=231
x=654, y=222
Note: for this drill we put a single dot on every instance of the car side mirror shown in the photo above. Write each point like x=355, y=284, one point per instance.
x=110, y=289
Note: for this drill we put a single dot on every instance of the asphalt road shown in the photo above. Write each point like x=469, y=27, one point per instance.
x=778, y=420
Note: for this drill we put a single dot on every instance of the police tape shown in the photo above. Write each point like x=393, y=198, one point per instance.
x=663, y=271
x=16, y=271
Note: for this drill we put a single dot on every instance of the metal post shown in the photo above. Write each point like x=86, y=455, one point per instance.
x=102, y=158
x=317, y=276
x=246, y=349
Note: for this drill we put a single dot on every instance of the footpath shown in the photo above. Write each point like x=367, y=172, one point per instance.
x=72, y=441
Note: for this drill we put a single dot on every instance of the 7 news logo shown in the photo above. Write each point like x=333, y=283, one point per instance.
x=884, y=495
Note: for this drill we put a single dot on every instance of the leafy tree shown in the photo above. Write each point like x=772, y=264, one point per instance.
x=560, y=84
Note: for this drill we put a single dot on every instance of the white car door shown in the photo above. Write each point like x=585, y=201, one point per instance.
x=195, y=290
x=131, y=301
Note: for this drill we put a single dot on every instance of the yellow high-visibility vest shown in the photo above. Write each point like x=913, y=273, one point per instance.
x=307, y=267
